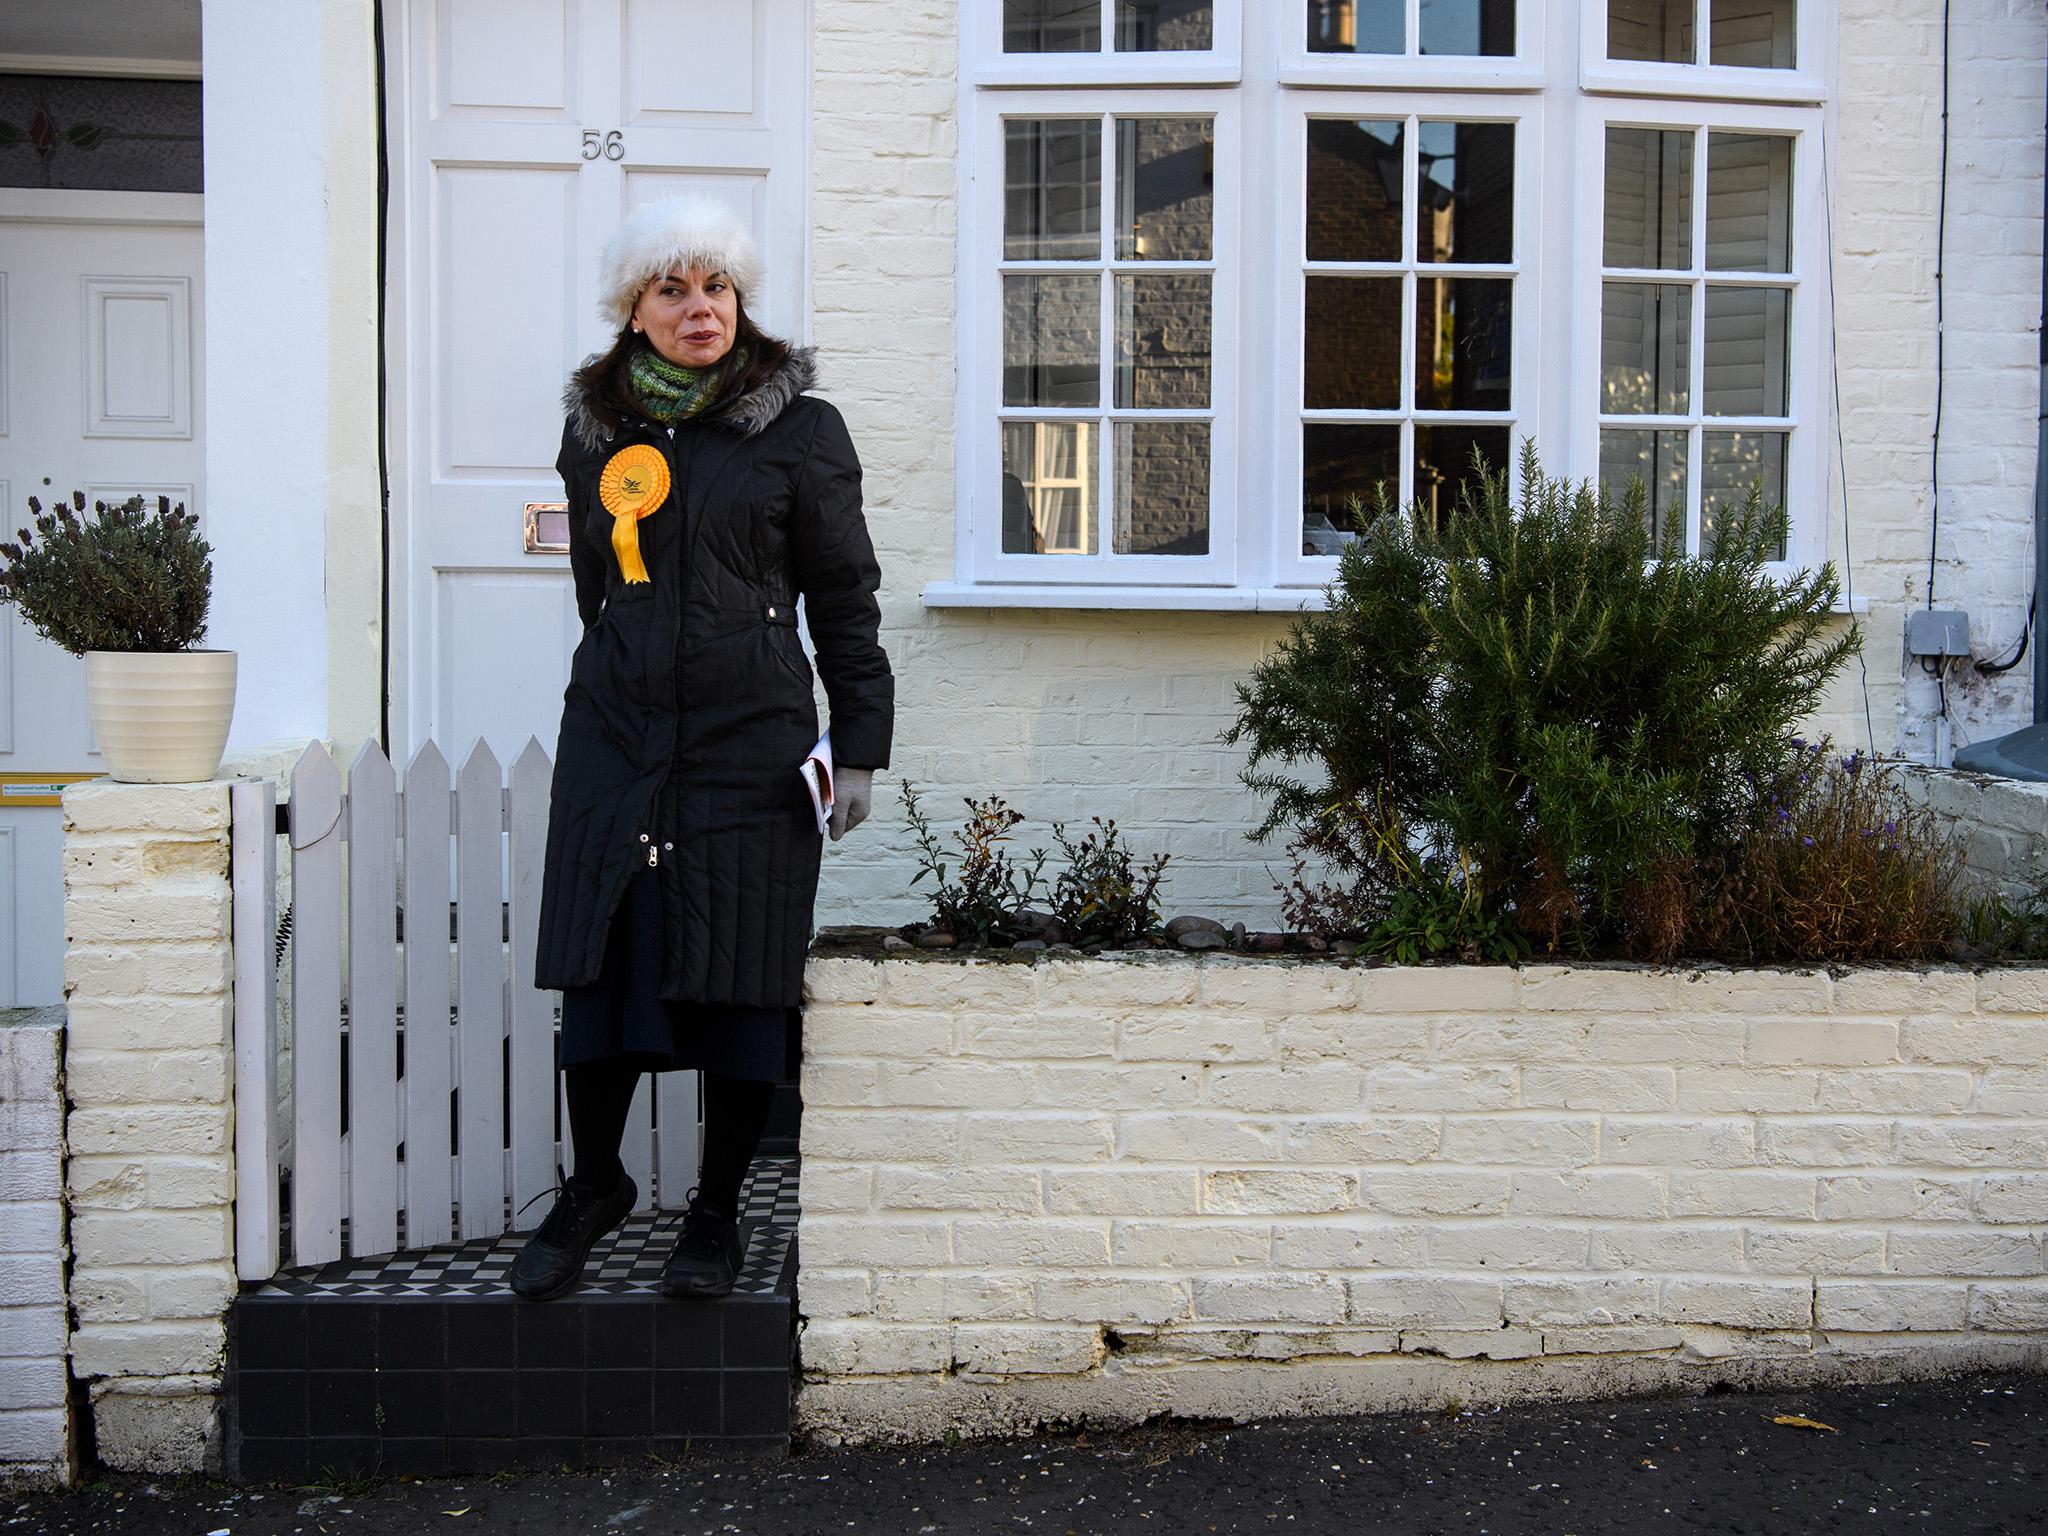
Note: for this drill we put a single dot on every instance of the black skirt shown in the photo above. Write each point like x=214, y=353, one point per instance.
x=623, y=1016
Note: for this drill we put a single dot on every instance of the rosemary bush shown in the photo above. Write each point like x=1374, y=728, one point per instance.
x=124, y=579
x=1538, y=695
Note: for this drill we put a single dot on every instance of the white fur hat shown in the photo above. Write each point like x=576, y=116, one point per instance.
x=693, y=230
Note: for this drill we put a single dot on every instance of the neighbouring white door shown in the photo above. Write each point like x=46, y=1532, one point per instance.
x=100, y=392
x=522, y=131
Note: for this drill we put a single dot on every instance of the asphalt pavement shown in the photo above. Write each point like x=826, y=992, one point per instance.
x=1961, y=1456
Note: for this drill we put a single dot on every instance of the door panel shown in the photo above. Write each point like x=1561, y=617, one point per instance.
x=99, y=392
x=522, y=133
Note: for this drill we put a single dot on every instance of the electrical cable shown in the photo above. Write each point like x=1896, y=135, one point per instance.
x=1992, y=668
x=1827, y=199
x=1940, y=319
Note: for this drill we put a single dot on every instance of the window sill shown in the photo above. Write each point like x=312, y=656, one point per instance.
x=964, y=594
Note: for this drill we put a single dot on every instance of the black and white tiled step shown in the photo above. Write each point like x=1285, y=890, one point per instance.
x=425, y=1363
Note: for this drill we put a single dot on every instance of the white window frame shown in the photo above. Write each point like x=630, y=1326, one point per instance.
x=1289, y=565
x=1805, y=83
x=1807, y=419
x=981, y=319
x=1521, y=70
x=986, y=65
x=1558, y=86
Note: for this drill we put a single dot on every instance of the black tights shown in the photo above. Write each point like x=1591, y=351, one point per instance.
x=600, y=1096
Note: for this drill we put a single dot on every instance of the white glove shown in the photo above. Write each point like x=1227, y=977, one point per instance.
x=853, y=793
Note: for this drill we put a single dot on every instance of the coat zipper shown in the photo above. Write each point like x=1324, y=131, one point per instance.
x=654, y=810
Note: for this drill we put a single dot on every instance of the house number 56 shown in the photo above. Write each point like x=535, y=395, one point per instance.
x=612, y=146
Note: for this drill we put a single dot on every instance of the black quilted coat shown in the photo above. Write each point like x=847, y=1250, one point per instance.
x=690, y=700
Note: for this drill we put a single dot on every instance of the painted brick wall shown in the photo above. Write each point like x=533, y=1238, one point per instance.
x=1887, y=192
x=35, y=1419
x=1033, y=1191
x=151, y=1176
x=2002, y=823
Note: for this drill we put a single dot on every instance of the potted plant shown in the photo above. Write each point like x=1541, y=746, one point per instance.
x=127, y=589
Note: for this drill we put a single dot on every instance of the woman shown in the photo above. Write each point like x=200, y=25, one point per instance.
x=707, y=493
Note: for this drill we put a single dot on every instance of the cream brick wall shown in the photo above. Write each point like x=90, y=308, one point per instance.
x=1887, y=190
x=35, y=1415
x=1035, y=1191
x=150, y=1177
x=2002, y=824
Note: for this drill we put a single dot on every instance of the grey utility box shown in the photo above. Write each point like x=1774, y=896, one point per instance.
x=1937, y=632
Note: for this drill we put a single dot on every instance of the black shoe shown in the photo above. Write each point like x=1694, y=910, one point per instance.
x=707, y=1255
x=552, y=1259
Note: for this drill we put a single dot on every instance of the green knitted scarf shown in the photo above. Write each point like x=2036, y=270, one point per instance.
x=668, y=392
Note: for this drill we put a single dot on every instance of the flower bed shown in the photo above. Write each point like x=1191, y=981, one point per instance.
x=1048, y=1188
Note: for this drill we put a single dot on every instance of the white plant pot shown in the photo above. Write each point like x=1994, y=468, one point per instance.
x=160, y=717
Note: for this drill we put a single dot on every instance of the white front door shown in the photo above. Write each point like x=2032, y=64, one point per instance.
x=100, y=393
x=522, y=132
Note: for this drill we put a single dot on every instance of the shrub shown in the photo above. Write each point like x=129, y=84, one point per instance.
x=1102, y=897
x=1537, y=694
x=985, y=902
x=1842, y=866
x=123, y=580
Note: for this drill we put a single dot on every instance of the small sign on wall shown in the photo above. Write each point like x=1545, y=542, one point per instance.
x=38, y=788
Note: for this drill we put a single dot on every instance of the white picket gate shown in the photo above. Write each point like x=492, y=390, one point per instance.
x=423, y=1104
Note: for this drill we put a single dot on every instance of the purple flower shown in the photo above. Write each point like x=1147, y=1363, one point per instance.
x=1807, y=841
x=1799, y=743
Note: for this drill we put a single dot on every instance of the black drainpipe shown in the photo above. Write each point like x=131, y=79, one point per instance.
x=383, y=402
x=2041, y=484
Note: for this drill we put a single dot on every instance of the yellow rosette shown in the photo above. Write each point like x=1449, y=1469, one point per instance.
x=634, y=483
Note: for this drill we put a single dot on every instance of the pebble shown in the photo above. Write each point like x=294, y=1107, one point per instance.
x=1269, y=943
x=895, y=941
x=1344, y=947
x=1201, y=938
x=1033, y=944
x=1237, y=934
x=1191, y=923
x=936, y=939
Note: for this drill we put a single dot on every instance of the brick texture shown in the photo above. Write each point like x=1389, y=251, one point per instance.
x=35, y=1417
x=151, y=1174
x=1807, y=1190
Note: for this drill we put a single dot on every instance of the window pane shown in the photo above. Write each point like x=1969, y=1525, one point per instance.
x=1649, y=198
x=1341, y=461
x=1645, y=349
x=1731, y=463
x=1351, y=344
x=1463, y=343
x=1162, y=342
x=1753, y=34
x=1468, y=192
x=1162, y=487
x=1443, y=461
x=1745, y=362
x=1052, y=331
x=1165, y=186
x=86, y=133
x=1354, y=189
x=1658, y=459
x=1052, y=26
x=1355, y=26
x=1468, y=26
x=1049, y=480
x=1749, y=202
x=1052, y=189
x=1657, y=30
x=1148, y=26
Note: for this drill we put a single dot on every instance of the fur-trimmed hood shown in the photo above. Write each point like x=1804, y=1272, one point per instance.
x=749, y=414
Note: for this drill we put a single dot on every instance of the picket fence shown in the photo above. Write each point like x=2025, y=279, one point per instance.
x=423, y=1106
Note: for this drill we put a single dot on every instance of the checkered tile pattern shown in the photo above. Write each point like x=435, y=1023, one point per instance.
x=626, y=1263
